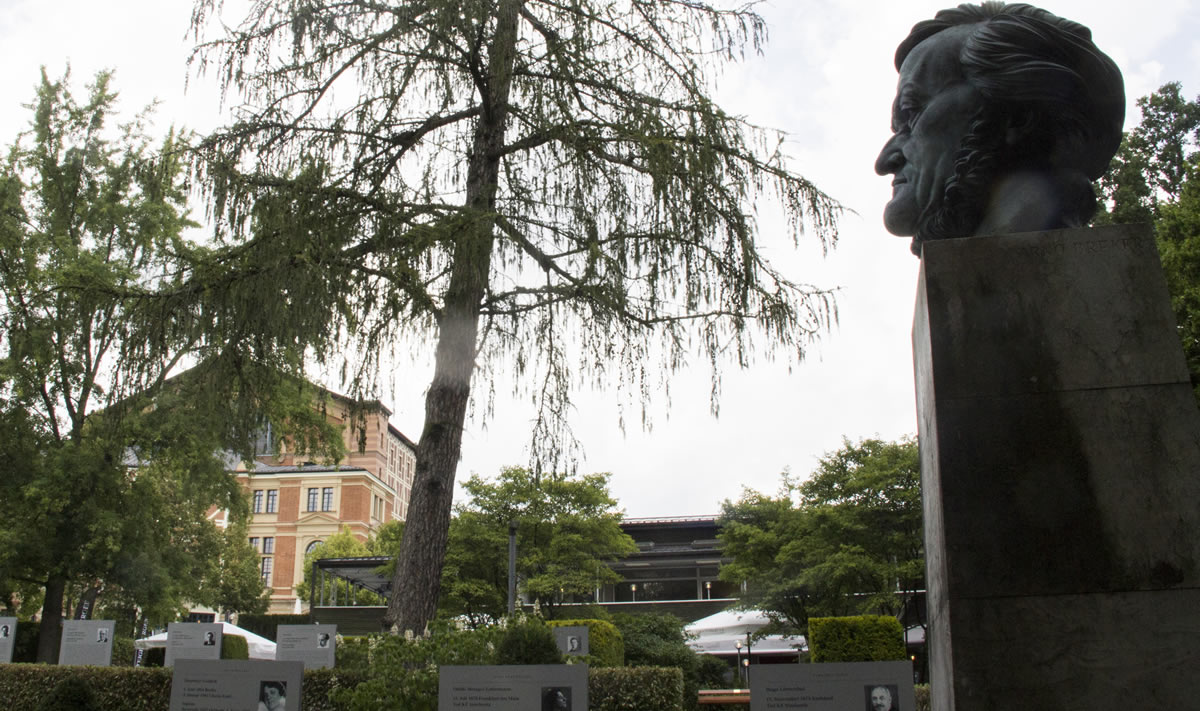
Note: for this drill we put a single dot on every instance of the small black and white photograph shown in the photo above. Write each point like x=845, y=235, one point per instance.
x=3, y=631
x=101, y=635
x=882, y=697
x=556, y=698
x=323, y=639
x=209, y=639
x=272, y=696
x=573, y=643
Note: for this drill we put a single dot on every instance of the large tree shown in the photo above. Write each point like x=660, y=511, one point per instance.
x=549, y=182
x=109, y=467
x=568, y=531
x=848, y=540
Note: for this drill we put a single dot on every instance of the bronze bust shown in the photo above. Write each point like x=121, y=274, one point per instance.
x=1004, y=115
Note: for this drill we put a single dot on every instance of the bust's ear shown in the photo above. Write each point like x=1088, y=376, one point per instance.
x=1022, y=126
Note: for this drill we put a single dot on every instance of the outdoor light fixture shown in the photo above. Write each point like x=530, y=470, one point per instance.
x=707, y=589
x=633, y=589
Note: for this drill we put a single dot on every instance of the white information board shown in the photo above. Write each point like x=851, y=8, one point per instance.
x=869, y=686
x=531, y=687
x=312, y=644
x=192, y=640
x=236, y=685
x=86, y=642
x=572, y=640
x=8, y=638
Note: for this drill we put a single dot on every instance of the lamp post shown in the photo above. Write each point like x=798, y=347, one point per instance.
x=707, y=589
x=633, y=590
x=738, y=671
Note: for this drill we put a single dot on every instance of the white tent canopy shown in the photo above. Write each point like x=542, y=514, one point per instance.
x=719, y=634
x=260, y=647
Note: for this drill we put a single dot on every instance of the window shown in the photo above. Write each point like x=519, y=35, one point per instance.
x=312, y=499
x=311, y=547
x=327, y=499
x=254, y=542
x=272, y=500
x=258, y=501
x=268, y=545
x=266, y=571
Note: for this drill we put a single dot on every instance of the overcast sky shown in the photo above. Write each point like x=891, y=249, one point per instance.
x=826, y=78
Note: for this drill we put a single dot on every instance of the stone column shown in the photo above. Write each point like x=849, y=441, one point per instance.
x=1060, y=458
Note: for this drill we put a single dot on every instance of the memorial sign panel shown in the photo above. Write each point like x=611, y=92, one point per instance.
x=192, y=640
x=312, y=644
x=86, y=642
x=572, y=640
x=871, y=686
x=8, y=635
x=236, y=685
x=532, y=687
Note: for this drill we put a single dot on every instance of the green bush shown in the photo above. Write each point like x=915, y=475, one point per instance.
x=266, y=625
x=154, y=657
x=73, y=693
x=234, y=646
x=528, y=642
x=24, y=686
x=659, y=640
x=866, y=638
x=635, y=688
x=122, y=652
x=606, y=647
x=320, y=685
x=403, y=672
x=352, y=654
x=26, y=643
x=921, y=691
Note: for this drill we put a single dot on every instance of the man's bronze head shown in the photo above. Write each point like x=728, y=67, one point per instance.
x=1004, y=116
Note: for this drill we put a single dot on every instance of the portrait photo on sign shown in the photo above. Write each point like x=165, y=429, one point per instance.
x=556, y=698
x=272, y=696
x=3, y=631
x=209, y=639
x=882, y=697
x=102, y=635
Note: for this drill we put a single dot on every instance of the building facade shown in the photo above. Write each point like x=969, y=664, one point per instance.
x=296, y=504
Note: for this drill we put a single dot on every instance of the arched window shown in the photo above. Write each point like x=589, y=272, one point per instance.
x=312, y=546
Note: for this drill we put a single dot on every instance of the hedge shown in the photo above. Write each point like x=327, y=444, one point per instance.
x=867, y=638
x=234, y=646
x=23, y=686
x=266, y=625
x=635, y=689
x=606, y=646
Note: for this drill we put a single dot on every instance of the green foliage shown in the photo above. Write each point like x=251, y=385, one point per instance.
x=342, y=544
x=1154, y=179
x=642, y=688
x=399, y=173
x=353, y=654
x=267, y=625
x=123, y=652
x=72, y=693
x=154, y=657
x=659, y=640
x=921, y=694
x=606, y=647
x=847, y=540
x=234, y=646
x=568, y=528
x=403, y=671
x=24, y=686
x=235, y=586
x=530, y=641
x=865, y=638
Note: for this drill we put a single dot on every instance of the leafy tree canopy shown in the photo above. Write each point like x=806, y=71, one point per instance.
x=526, y=183
x=568, y=530
x=846, y=541
x=1155, y=178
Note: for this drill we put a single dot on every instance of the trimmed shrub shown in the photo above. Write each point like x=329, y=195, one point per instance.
x=234, y=646
x=320, y=685
x=123, y=651
x=154, y=657
x=921, y=692
x=24, y=686
x=265, y=625
x=640, y=688
x=528, y=642
x=72, y=693
x=659, y=640
x=866, y=638
x=606, y=646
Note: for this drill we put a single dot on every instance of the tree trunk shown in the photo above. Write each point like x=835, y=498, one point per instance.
x=417, y=580
x=49, y=630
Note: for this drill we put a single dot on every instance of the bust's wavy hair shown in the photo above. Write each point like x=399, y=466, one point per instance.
x=1044, y=73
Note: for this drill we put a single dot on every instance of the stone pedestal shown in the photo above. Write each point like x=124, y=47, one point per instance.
x=1060, y=458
